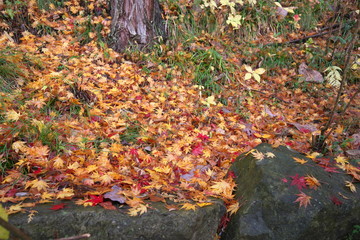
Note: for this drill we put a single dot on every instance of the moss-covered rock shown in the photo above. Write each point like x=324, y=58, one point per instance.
x=268, y=194
x=157, y=223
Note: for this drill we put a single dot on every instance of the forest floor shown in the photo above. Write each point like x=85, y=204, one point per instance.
x=78, y=118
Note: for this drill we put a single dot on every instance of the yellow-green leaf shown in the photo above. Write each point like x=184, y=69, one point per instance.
x=4, y=233
x=247, y=76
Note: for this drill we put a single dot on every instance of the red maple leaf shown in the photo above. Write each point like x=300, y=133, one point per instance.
x=336, y=201
x=303, y=199
x=203, y=137
x=95, y=200
x=198, y=149
x=299, y=182
x=134, y=152
x=58, y=206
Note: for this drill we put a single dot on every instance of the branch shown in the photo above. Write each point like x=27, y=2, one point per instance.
x=86, y=235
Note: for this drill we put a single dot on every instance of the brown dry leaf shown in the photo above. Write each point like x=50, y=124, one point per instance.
x=309, y=74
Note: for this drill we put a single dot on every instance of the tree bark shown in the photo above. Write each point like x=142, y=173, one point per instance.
x=135, y=22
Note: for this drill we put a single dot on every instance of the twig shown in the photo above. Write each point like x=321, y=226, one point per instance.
x=86, y=235
x=306, y=37
x=14, y=230
x=270, y=96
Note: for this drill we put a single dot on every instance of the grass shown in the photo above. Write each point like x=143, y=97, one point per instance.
x=355, y=234
x=9, y=70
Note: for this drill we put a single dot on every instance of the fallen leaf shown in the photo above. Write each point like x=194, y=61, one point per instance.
x=299, y=160
x=58, y=206
x=303, y=199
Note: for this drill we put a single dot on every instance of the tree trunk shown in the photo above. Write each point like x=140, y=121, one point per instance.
x=135, y=22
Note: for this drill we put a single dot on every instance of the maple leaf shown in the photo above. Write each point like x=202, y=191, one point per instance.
x=233, y=208
x=108, y=205
x=303, y=199
x=12, y=115
x=197, y=150
x=138, y=210
x=312, y=182
x=209, y=101
x=106, y=179
x=95, y=200
x=58, y=206
x=351, y=186
x=19, y=146
x=299, y=182
x=258, y=155
x=40, y=185
x=203, y=137
x=270, y=154
x=65, y=193
x=341, y=160
x=222, y=187
x=189, y=206
x=336, y=201
x=299, y=160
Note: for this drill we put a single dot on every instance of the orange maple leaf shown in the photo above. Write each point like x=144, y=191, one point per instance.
x=303, y=199
x=301, y=161
x=312, y=182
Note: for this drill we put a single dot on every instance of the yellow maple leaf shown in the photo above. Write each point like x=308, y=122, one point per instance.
x=40, y=185
x=221, y=187
x=312, y=155
x=351, y=186
x=299, y=160
x=58, y=163
x=189, y=206
x=106, y=179
x=209, y=101
x=19, y=146
x=65, y=193
x=12, y=115
x=165, y=169
x=204, y=204
x=138, y=210
x=14, y=209
x=270, y=155
x=233, y=208
x=91, y=168
x=341, y=160
x=47, y=195
x=258, y=155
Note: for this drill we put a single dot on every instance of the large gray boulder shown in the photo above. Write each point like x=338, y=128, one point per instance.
x=269, y=210
x=157, y=223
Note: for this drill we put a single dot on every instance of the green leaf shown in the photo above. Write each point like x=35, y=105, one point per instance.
x=4, y=233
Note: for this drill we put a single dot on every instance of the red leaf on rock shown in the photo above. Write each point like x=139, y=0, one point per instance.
x=58, y=206
x=336, y=201
x=108, y=205
x=299, y=182
x=95, y=200
x=303, y=199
